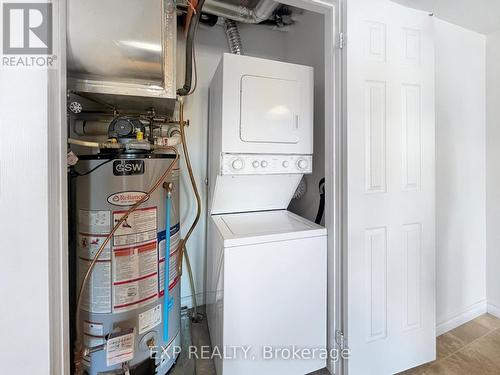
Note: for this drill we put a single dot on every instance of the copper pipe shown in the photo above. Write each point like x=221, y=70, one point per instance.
x=193, y=184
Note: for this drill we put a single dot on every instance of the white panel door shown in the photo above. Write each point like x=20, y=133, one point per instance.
x=390, y=139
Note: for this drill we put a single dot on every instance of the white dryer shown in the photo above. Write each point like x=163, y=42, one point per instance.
x=260, y=133
x=267, y=293
x=266, y=267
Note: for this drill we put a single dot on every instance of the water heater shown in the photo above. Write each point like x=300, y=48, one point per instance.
x=123, y=306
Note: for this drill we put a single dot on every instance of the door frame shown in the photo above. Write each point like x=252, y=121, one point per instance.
x=335, y=164
x=59, y=346
x=335, y=182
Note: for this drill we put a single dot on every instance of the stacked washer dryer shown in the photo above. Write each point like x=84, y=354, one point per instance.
x=266, y=267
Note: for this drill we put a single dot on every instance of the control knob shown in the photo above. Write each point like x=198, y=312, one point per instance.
x=237, y=164
x=302, y=164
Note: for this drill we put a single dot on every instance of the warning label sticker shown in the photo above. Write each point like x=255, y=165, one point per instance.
x=97, y=295
x=120, y=347
x=140, y=226
x=135, y=275
x=94, y=221
x=94, y=226
x=149, y=319
x=89, y=244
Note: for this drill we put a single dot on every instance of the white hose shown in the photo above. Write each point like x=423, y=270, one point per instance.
x=83, y=143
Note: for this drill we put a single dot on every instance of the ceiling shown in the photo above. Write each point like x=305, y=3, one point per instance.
x=482, y=16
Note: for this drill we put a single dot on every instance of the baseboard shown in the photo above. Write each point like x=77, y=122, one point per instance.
x=468, y=314
x=494, y=310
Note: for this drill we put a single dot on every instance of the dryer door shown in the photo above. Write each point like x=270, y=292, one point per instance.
x=270, y=110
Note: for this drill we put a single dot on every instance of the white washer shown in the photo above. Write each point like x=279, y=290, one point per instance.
x=266, y=292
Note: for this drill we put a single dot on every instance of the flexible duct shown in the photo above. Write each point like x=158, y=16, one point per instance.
x=233, y=37
x=261, y=12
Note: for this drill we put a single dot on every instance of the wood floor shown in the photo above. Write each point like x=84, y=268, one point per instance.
x=472, y=348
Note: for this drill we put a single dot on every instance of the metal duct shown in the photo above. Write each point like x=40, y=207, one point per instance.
x=255, y=12
x=123, y=52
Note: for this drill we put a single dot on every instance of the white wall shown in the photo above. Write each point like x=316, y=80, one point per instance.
x=493, y=171
x=24, y=268
x=460, y=174
x=310, y=27
x=33, y=208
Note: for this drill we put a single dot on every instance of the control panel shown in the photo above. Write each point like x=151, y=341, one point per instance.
x=252, y=164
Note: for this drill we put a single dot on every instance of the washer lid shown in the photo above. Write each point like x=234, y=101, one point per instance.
x=265, y=226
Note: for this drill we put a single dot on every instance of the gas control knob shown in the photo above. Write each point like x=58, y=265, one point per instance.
x=302, y=164
x=255, y=164
x=263, y=163
x=285, y=164
x=237, y=164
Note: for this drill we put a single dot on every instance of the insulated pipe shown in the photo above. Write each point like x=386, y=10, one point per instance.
x=92, y=128
x=184, y=90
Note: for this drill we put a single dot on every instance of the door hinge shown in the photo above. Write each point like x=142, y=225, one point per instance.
x=340, y=339
x=341, y=40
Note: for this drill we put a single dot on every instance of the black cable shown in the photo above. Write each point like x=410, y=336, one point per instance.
x=321, y=208
x=208, y=19
x=93, y=169
x=184, y=90
x=78, y=174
